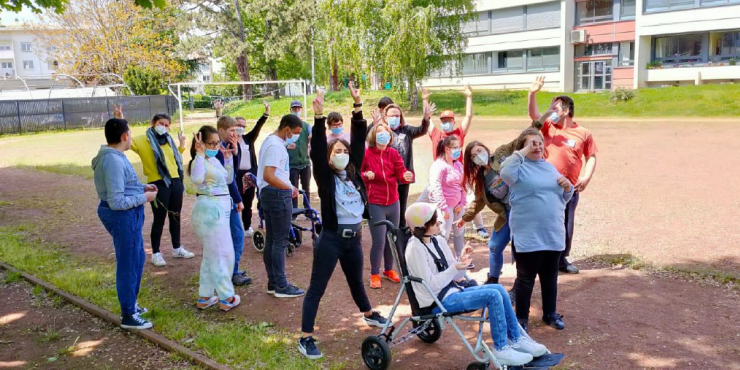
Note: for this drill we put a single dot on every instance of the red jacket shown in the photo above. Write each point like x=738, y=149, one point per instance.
x=388, y=167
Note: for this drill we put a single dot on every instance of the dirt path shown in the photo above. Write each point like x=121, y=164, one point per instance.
x=37, y=331
x=616, y=318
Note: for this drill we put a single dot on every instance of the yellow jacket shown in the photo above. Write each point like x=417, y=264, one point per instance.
x=140, y=145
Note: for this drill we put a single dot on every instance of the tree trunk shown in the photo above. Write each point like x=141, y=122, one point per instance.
x=334, y=74
x=413, y=95
x=272, y=76
x=242, y=67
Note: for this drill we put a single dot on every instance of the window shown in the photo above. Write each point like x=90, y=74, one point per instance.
x=593, y=49
x=626, y=54
x=718, y=2
x=507, y=20
x=53, y=65
x=662, y=5
x=547, y=59
x=593, y=11
x=681, y=48
x=545, y=15
x=447, y=70
x=727, y=46
x=628, y=9
x=478, y=26
x=511, y=61
x=4, y=47
x=28, y=64
x=206, y=78
x=26, y=46
x=6, y=65
x=475, y=64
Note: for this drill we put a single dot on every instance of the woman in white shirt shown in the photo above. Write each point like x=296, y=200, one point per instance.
x=429, y=257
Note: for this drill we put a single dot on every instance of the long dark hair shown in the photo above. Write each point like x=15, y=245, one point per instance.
x=521, y=141
x=204, y=132
x=420, y=232
x=445, y=143
x=472, y=172
x=330, y=145
x=160, y=116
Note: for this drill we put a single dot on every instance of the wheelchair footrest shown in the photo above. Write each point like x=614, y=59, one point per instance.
x=541, y=363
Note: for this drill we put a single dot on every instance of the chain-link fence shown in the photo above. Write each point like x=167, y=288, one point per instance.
x=17, y=116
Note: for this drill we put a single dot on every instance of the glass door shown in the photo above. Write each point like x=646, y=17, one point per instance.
x=594, y=75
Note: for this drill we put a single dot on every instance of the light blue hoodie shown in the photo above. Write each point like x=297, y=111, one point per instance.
x=116, y=181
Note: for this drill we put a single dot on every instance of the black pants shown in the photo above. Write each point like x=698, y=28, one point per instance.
x=330, y=248
x=168, y=203
x=528, y=266
x=403, y=197
x=570, y=216
x=247, y=199
x=305, y=177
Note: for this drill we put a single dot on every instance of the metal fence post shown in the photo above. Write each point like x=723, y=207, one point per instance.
x=18, y=114
x=64, y=116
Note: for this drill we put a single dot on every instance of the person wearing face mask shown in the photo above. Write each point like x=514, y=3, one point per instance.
x=248, y=164
x=298, y=149
x=567, y=144
x=446, y=190
x=343, y=207
x=428, y=257
x=336, y=128
x=382, y=170
x=538, y=195
x=162, y=163
x=276, y=192
x=211, y=217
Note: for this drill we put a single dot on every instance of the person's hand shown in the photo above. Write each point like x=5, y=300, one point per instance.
x=457, y=209
x=537, y=84
x=240, y=207
x=467, y=250
x=355, y=93
x=150, y=187
x=527, y=148
x=226, y=151
x=376, y=116
x=181, y=138
x=581, y=184
x=464, y=263
x=459, y=223
x=370, y=175
x=468, y=92
x=446, y=215
x=429, y=109
x=408, y=176
x=318, y=103
x=200, y=148
x=295, y=193
x=234, y=143
x=564, y=183
x=118, y=111
x=425, y=94
x=291, y=146
x=267, y=107
x=150, y=195
x=552, y=108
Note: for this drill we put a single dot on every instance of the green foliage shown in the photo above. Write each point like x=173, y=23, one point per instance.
x=144, y=81
x=621, y=95
x=653, y=64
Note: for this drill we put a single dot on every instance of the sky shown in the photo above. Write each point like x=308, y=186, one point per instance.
x=8, y=18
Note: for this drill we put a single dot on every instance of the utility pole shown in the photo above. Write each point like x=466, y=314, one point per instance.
x=313, y=70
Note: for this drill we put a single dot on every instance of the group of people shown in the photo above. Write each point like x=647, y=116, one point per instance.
x=531, y=184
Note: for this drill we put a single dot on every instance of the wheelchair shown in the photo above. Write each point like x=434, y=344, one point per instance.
x=295, y=238
x=428, y=326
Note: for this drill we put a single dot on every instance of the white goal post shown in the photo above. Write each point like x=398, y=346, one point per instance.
x=178, y=89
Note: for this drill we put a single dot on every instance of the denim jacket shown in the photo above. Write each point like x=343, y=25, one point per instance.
x=115, y=180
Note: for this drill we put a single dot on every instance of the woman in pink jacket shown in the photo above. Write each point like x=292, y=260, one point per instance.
x=446, y=190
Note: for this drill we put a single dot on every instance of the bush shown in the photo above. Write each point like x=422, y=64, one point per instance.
x=621, y=95
x=144, y=81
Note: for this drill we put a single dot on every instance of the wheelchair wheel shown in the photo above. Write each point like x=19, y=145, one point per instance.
x=477, y=366
x=375, y=353
x=290, y=250
x=258, y=240
x=297, y=236
x=431, y=334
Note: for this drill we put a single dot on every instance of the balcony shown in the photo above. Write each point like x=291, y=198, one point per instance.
x=697, y=73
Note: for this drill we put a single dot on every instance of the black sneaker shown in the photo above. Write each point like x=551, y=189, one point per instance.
x=140, y=310
x=307, y=347
x=134, y=322
x=375, y=319
x=242, y=272
x=524, y=323
x=289, y=291
x=491, y=280
x=567, y=267
x=270, y=288
x=240, y=280
x=555, y=320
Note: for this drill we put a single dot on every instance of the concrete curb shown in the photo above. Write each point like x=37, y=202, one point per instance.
x=114, y=319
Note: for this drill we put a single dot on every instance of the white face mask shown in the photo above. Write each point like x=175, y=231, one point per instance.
x=554, y=118
x=340, y=161
x=481, y=158
x=240, y=131
x=160, y=129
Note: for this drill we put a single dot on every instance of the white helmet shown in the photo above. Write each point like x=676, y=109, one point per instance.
x=419, y=214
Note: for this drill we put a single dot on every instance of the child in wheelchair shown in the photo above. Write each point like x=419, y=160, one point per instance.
x=429, y=258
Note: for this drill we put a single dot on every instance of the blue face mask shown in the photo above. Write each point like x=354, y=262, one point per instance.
x=210, y=153
x=291, y=139
x=298, y=114
x=554, y=118
x=394, y=122
x=448, y=126
x=456, y=153
x=337, y=130
x=383, y=138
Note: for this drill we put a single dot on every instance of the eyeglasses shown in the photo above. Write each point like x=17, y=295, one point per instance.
x=213, y=144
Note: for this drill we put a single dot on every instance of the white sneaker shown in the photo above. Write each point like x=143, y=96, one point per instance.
x=182, y=253
x=248, y=233
x=158, y=260
x=510, y=357
x=527, y=345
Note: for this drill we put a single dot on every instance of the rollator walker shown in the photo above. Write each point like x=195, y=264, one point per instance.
x=428, y=326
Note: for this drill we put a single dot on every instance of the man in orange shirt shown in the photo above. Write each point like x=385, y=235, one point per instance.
x=566, y=145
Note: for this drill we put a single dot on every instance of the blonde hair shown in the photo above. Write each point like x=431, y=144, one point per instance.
x=374, y=132
x=225, y=123
x=394, y=106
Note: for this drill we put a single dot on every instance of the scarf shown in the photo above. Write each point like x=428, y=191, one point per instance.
x=154, y=143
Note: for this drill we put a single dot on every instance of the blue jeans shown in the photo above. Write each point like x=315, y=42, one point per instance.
x=278, y=209
x=126, y=229
x=237, y=236
x=496, y=246
x=501, y=316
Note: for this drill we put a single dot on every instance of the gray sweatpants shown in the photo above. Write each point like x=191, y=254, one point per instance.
x=381, y=248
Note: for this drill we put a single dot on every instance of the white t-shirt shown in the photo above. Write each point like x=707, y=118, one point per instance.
x=245, y=163
x=273, y=154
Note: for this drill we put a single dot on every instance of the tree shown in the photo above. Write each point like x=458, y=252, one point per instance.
x=144, y=81
x=58, y=6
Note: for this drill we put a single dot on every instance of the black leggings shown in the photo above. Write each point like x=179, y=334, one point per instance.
x=168, y=203
x=403, y=197
x=330, y=248
x=528, y=266
x=247, y=199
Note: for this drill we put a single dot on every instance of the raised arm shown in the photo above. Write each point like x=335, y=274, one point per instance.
x=468, y=119
x=511, y=167
x=534, y=112
x=418, y=131
x=255, y=131
x=358, y=129
x=319, y=148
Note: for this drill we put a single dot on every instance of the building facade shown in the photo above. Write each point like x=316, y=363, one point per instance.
x=21, y=56
x=597, y=45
